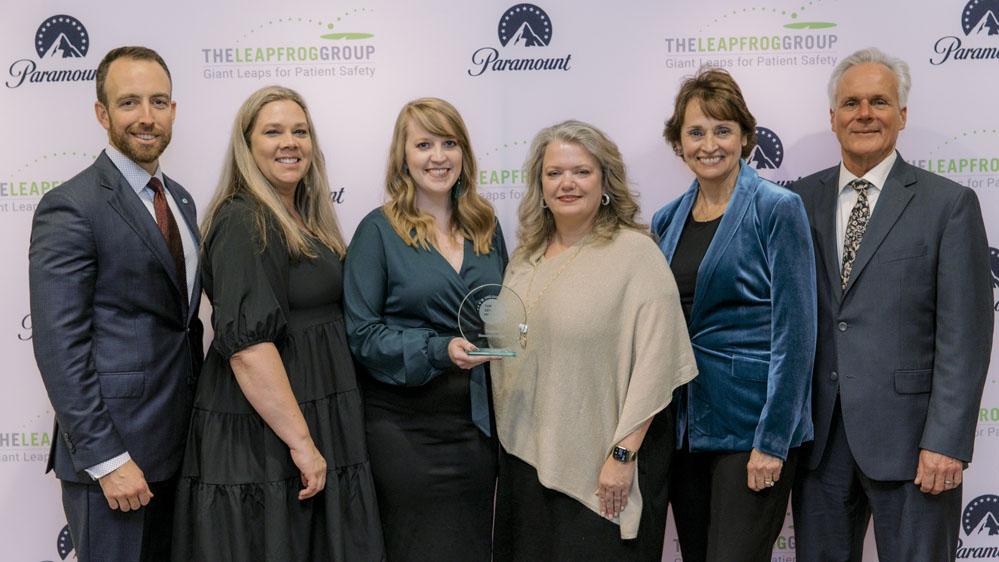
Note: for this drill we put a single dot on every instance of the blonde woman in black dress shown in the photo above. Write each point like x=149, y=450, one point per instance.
x=276, y=466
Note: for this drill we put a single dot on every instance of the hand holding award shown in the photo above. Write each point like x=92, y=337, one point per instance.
x=492, y=317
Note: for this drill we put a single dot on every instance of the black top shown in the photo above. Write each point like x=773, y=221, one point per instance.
x=690, y=249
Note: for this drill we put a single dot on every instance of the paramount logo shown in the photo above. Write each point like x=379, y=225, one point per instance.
x=58, y=39
x=988, y=25
x=487, y=58
x=526, y=37
x=981, y=528
x=62, y=48
x=522, y=26
x=980, y=23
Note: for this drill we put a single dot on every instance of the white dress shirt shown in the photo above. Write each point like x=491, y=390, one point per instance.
x=848, y=197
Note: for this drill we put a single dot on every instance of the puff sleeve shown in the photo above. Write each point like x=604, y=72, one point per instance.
x=247, y=282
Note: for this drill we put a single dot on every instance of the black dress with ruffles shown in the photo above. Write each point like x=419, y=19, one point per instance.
x=238, y=492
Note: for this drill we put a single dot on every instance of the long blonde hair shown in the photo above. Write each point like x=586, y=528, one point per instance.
x=472, y=217
x=240, y=175
x=537, y=225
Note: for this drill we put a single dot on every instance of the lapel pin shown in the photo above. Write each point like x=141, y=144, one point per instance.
x=184, y=200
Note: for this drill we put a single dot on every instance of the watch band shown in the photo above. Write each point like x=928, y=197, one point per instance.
x=623, y=455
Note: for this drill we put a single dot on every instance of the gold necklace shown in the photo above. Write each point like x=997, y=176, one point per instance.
x=527, y=297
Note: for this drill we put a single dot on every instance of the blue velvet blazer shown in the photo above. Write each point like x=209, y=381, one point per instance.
x=753, y=321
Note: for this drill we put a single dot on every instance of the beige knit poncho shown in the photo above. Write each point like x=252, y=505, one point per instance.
x=607, y=345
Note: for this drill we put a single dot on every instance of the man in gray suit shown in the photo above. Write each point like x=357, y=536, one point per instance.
x=113, y=267
x=905, y=334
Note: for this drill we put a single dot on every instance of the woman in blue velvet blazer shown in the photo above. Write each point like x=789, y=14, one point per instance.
x=740, y=249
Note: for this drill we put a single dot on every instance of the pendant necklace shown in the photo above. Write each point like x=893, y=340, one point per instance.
x=527, y=297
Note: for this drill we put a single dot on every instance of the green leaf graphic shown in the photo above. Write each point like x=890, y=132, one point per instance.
x=810, y=25
x=347, y=36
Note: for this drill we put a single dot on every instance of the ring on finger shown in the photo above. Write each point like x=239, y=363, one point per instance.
x=948, y=482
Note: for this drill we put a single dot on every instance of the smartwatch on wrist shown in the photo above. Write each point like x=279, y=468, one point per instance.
x=623, y=455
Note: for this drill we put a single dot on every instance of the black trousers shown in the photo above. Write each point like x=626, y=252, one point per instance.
x=103, y=534
x=833, y=505
x=654, y=462
x=535, y=523
x=718, y=517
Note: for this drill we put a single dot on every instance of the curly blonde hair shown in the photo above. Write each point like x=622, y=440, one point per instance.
x=472, y=217
x=537, y=225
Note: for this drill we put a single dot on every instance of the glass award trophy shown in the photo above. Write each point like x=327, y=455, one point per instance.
x=493, y=318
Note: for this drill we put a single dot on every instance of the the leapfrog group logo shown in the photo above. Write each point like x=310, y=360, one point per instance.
x=501, y=177
x=28, y=442
x=520, y=27
x=785, y=39
x=980, y=25
x=340, y=46
x=23, y=186
x=768, y=154
x=60, y=42
x=980, y=523
x=989, y=414
x=965, y=158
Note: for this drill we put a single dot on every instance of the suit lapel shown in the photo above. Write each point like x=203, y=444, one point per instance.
x=892, y=201
x=186, y=207
x=127, y=204
x=826, y=198
x=671, y=237
x=745, y=189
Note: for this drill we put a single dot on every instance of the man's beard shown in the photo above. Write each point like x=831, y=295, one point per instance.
x=141, y=153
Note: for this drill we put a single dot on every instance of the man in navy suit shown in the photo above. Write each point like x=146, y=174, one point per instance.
x=114, y=284
x=904, y=334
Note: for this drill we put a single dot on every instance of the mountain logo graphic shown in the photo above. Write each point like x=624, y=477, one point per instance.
x=981, y=516
x=768, y=154
x=994, y=263
x=525, y=25
x=61, y=37
x=64, y=543
x=981, y=17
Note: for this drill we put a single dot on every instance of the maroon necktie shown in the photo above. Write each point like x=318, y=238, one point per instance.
x=168, y=226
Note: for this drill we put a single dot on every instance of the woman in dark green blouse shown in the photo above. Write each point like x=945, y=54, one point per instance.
x=427, y=406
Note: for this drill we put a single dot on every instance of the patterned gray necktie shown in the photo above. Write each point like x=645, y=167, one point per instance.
x=859, y=217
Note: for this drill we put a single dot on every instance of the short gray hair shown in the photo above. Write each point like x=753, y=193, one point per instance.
x=897, y=66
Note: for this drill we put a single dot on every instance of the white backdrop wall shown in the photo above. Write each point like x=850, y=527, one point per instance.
x=615, y=65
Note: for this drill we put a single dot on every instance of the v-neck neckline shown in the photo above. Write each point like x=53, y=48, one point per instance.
x=464, y=259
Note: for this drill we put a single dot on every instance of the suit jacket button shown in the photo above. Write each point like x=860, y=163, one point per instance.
x=834, y=376
x=842, y=326
x=190, y=380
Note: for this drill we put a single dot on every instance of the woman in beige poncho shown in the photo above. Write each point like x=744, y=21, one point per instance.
x=606, y=346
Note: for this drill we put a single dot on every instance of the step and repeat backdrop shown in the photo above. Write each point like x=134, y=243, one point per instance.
x=510, y=69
